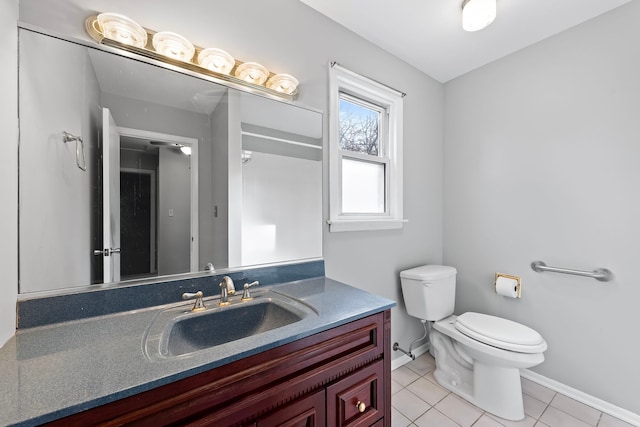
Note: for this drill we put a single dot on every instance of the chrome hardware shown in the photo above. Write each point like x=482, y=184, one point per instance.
x=246, y=295
x=361, y=406
x=106, y=251
x=226, y=288
x=600, y=274
x=199, y=304
x=67, y=137
x=209, y=267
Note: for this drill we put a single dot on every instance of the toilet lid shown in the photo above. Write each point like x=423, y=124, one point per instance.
x=501, y=333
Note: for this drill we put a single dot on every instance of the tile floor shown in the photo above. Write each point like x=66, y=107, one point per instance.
x=418, y=401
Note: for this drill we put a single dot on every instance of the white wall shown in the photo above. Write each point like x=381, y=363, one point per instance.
x=280, y=208
x=541, y=161
x=8, y=169
x=55, y=209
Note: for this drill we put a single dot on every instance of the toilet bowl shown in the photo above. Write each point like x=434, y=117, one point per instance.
x=478, y=356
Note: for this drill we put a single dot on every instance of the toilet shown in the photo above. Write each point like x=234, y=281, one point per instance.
x=478, y=356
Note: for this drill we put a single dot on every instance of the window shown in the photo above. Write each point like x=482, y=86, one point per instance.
x=365, y=153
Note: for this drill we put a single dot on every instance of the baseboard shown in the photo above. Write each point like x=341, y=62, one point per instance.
x=587, y=399
x=399, y=361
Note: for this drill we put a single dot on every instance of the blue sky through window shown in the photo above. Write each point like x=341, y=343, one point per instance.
x=358, y=128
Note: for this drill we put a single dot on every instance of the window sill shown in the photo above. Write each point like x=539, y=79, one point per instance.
x=365, y=225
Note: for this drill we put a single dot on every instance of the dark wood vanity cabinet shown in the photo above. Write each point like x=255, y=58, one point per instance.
x=339, y=377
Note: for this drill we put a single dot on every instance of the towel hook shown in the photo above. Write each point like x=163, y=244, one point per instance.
x=67, y=137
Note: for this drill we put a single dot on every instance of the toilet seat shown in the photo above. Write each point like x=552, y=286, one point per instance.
x=500, y=333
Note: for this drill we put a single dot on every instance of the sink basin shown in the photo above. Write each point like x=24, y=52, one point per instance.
x=178, y=332
x=210, y=329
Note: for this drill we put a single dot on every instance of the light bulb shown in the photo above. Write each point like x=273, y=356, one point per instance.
x=252, y=72
x=283, y=83
x=216, y=60
x=122, y=29
x=173, y=45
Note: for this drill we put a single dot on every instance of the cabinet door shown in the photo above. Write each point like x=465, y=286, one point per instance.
x=358, y=399
x=305, y=412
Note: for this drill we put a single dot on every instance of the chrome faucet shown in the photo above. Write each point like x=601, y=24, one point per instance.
x=199, y=304
x=226, y=288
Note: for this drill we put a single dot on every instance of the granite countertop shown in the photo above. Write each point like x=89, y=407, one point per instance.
x=53, y=371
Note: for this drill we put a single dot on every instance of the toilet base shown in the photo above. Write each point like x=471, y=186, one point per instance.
x=495, y=389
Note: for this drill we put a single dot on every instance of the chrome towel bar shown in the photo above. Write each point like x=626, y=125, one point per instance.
x=600, y=274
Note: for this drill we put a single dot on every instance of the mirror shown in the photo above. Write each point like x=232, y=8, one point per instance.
x=130, y=171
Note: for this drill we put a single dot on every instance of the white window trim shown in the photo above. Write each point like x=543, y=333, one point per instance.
x=341, y=79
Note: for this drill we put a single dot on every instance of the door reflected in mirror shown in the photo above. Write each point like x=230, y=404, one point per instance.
x=156, y=210
x=249, y=192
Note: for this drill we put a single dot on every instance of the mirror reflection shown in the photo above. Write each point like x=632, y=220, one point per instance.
x=167, y=174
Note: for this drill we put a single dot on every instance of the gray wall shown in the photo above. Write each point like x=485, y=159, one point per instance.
x=220, y=184
x=8, y=168
x=174, y=230
x=542, y=162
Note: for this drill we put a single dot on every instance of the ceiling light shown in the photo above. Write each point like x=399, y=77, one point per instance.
x=477, y=14
x=173, y=45
x=185, y=150
x=252, y=72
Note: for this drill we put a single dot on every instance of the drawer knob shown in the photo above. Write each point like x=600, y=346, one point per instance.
x=361, y=406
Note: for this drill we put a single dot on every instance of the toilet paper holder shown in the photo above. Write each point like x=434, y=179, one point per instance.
x=508, y=276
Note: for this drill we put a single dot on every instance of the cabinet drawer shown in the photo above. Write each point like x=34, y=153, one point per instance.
x=306, y=412
x=357, y=400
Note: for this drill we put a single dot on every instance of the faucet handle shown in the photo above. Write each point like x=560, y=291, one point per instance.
x=246, y=295
x=199, y=304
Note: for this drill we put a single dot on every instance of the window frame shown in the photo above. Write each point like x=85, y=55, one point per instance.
x=390, y=136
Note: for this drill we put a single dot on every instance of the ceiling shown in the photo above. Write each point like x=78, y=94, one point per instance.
x=428, y=33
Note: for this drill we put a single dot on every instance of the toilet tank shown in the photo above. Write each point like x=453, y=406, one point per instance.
x=429, y=291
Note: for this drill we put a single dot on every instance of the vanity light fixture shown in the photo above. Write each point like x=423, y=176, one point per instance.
x=283, y=83
x=122, y=29
x=186, y=150
x=477, y=14
x=173, y=46
x=118, y=31
x=252, y=72
x=216, y=60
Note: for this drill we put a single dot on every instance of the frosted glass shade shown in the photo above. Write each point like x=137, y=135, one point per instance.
x=477, y=14
x=252, y=72
x=173, y=45
x=216, y=60
x=283, y=83
x=122, y=29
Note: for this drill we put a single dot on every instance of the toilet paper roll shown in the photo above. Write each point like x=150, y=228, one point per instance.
x=507, y=287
